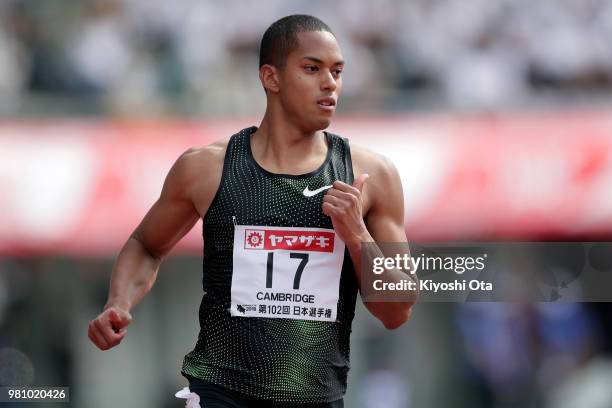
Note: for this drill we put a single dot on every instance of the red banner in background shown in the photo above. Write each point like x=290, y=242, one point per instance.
x=82, y=187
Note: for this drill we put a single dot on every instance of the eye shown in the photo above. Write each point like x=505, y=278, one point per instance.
x=311, y=68
x=337, y=71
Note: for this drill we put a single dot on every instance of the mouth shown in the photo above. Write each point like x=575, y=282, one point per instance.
x=327, y=104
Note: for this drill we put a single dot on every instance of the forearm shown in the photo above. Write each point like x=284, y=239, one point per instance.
x=394, y=311
x=133, y=275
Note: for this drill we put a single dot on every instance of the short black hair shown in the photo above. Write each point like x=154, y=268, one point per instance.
x=282, y=37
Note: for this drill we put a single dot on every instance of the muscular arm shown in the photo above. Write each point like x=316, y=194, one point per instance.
x=385, y=223
x=168, y=220
x=186, y=194
x=381, y=199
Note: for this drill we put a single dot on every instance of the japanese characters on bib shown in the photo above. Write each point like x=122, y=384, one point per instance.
x=286, y=272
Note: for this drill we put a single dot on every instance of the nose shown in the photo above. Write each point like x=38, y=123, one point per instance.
x=328, y=82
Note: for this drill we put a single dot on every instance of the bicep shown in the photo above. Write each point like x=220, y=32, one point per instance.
x=171, y=216
x=385, y=220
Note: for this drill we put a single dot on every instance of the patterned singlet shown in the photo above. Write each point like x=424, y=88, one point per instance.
x=279, y=285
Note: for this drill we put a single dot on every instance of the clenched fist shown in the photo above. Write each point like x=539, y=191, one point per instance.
x=342, y=203
x=109, y=328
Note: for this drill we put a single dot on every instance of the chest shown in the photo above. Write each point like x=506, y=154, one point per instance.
x=268, y=201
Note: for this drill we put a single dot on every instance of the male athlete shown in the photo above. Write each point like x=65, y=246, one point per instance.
x=284, y=220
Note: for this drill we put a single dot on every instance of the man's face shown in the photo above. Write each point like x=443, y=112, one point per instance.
x=311, y=81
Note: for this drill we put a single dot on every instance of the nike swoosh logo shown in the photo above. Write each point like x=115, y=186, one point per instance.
x=309, y=193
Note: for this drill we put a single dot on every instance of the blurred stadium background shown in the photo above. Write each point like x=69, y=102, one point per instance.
x=498, y=115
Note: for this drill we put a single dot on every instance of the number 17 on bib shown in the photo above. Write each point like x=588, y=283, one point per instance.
x=286, y=272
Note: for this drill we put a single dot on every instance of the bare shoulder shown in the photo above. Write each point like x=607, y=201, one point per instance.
x=375, y=164
x=196, y=174
x=384, y=181
x=196, y=159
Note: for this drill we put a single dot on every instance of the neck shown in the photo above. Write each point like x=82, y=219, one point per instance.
x=281, y=147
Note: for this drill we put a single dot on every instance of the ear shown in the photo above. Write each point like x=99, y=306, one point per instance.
x=268, y=75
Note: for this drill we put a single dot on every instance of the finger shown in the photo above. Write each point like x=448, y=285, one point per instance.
x=120, y=336
x=96, y=337
x=335, y=201
x=102, y=331
x=119, y=320
x=329, y=209
x=358, y=184
x=107, y=332
x=98, y=340
x=343, y=196
x=113, y=316
x=118, y=333
x=342, y=186
x=90, y=334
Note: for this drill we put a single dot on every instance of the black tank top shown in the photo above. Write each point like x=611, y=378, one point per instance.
x=278, y=358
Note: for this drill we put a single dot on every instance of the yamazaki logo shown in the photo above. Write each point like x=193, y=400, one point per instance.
x=297, y=240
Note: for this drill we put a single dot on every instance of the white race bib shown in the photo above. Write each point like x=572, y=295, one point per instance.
x=286, y=272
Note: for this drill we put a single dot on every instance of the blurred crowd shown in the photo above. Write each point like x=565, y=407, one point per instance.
x=194, y=57
x=540, y=354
